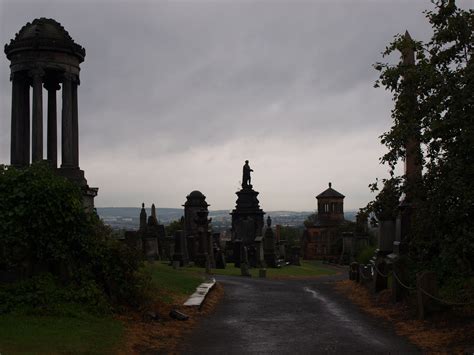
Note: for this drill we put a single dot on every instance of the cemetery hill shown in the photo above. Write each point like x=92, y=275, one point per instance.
x=126, y=236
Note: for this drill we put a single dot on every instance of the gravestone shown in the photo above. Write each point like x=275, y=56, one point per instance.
x=219, y=254
x=386, y=236
x=180, y=249
x=244, y=265
x=259, y=254
x=195, y=203
x=271, y=259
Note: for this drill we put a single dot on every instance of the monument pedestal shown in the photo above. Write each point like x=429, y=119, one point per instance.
x=247, y=222
x=76, y=175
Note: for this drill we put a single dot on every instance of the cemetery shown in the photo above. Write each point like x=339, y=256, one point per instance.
x=71, y=284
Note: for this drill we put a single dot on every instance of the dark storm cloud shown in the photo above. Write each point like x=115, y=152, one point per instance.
x=165, y=82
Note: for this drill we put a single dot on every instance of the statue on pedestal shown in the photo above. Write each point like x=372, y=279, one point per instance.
x=246, y=175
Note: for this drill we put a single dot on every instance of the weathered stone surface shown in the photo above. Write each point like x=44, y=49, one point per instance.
x=198, y=297
x=154, y=244
x=386, y=235
x=180, y=248
x=42, y=52
x=244, y=265
x=196, y=225
x=319, y=239
x=247, y=222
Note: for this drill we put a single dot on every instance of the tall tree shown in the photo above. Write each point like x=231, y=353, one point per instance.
x=434, y=101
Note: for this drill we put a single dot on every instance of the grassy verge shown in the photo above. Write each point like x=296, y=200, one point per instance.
x=23, y=334
x=83, y=333
x=174, y=284
x=172, y=287
x=76, y=331
x=307, y=269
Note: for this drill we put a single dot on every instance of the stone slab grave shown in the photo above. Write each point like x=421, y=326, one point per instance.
x=197, y=298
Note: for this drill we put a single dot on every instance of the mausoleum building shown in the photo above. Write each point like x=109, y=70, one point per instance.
x=319, y=239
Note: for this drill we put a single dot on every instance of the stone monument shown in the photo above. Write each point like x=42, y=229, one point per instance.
x=195, y=204
x=413, y=177
x=205, y=251
x=271, y=258
x=180, y=255
x=44, y=54
x=150, y=237
x=247, y=220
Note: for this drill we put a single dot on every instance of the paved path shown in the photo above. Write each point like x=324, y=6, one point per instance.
x=291, y=317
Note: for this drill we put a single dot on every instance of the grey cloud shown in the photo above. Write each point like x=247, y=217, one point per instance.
x=164, y=80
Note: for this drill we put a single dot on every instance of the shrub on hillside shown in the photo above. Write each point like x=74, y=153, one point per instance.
x=44, y=229
x=365, y=255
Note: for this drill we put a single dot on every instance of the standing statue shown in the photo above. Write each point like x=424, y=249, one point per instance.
x=246, y=175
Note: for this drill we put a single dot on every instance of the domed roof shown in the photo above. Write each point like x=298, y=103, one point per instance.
x=44, y=34
x=196, y=199
x=196, y=193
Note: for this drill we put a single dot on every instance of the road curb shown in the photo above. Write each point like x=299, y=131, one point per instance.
x=197, y=298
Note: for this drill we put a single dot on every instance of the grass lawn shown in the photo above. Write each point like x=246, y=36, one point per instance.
x=21, y=334
x=173, y=283
x=307, y=269
x=84, y=333
x=184, y=280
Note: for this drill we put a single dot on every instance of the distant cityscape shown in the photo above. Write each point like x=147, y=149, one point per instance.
x=128, y=217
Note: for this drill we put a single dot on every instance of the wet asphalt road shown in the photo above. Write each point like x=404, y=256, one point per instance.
x=291, y=317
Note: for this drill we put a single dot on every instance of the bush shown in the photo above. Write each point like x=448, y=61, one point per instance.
x=44, y=230
x=41, y=218
x=365, y=255
x=44, y=295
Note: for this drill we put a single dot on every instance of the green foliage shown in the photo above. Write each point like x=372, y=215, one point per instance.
x=85, y=334
x=385, y=205
x=362, y=218
x=173, y=227
x=181, y=282
x=365, y=254
x=44, y=295
x=310, y=220
x=41, y=217
x=291, y=235
x=434, y=99
x=44, y=229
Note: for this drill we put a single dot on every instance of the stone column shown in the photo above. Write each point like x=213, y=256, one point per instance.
x=52, y=144
x=75, y=125
x=22, y=113
x=16, y=134
x=37, y=126
x=67, y=124
x=413, y=167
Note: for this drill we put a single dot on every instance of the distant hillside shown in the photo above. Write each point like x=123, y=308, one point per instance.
x=129, y=217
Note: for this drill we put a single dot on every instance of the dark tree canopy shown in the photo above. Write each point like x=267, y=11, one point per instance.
x=434, y=101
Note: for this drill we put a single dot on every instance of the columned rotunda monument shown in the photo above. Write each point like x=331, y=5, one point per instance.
x=44, y=54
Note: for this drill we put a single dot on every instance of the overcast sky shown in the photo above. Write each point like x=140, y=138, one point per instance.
x=176, y=95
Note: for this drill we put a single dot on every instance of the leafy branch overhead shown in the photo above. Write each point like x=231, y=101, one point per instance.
x=434, y=104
